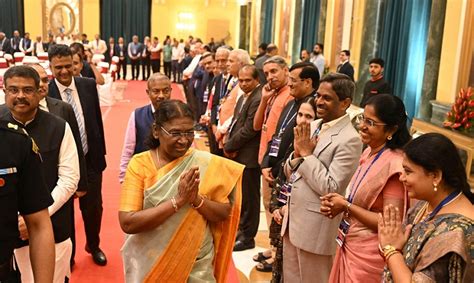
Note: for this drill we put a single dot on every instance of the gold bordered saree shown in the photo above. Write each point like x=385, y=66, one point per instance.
x=186, y=248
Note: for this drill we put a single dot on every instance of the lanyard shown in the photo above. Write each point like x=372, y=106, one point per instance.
x=353, y=191
x=442, y=204
x=269, y=108
x=286, y=121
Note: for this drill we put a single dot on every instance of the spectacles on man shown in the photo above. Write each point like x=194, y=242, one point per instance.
x=368, y=122
x=177, y=134
x=16, y=90
x=156, y=91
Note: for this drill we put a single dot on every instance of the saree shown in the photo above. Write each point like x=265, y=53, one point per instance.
x=439, y=250
x=185, y=248
x=358, y=259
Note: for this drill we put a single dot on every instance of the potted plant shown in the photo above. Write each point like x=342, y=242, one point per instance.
x=461, y=115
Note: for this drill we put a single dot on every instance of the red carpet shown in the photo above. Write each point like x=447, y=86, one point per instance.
x=115, y=122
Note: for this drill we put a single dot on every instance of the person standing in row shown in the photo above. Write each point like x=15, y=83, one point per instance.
x=23, y=193
x=167, y=52
x=60, y=166
x=377, y=84
x=135, y=50
x=324, y=161
x=155, y=55
x=82, y=94
x=145, y=58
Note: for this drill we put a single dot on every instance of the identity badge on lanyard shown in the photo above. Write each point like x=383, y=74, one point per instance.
x=344, y=225
x=276, y=141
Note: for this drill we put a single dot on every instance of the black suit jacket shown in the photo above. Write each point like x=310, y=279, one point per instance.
x=217, y=82
x=89, y=99
x=287, y=136
x=64, y=110
x=6, y=45
x=116, y=52
x=243, y=139
x=347, y=69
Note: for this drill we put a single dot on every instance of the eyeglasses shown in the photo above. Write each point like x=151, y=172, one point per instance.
x=368, y=122
x=156, y=91
x=25, y=90
x=178, y=134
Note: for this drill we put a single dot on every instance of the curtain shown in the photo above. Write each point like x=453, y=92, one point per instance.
x=311, y=13
x=125, y=18
x=11, y=17
x=403, y=46
x=112, y=19
x=267, y=18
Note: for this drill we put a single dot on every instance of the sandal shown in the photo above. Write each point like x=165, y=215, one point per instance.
x=264, y=266
x=260, y=257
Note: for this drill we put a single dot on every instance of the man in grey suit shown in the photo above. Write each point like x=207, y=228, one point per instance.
x=324, y=161
x=242, y=146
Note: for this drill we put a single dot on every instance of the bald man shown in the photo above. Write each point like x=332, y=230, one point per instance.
x=141, y=119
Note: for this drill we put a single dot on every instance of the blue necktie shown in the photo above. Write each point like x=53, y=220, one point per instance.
x=80, y=122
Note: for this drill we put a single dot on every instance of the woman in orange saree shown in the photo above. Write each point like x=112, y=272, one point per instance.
x=180, y=207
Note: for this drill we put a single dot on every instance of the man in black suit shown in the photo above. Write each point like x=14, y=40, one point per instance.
x=122, y=54
x=345, y=66
x=15, y=42
x=64, y=110
x=4, y=43
x=82, y=94
x=218, y=87
x=112, y=50
x=242, y=146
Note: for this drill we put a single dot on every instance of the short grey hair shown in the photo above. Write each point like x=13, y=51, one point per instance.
x=157, y=77
x=223, y=49
x=242, y=55
x=280, y=61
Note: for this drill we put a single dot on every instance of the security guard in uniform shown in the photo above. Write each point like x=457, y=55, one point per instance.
x=22, y=190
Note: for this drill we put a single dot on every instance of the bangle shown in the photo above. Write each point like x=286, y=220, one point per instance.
x=349, y=204
x=387, y=251
x=390, y=254
x=200, y=204
x=175, y=205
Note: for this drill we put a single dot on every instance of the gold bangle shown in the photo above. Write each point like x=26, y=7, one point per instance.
x=388, y=250
x=174, y=204
x=387, y=257
x=200, y=204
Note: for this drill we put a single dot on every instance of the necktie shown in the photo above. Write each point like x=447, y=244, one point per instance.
x=80, y=122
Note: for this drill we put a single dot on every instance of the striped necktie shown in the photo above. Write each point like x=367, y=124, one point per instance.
x=80, y=122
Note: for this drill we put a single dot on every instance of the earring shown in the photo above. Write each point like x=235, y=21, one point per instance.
x=435, y=187
x=389, y=138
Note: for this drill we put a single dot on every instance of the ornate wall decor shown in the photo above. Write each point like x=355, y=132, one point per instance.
x=62, y=17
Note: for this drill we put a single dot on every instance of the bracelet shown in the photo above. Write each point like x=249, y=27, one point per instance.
x=175, y=205
x=387, y=251
x=200, y=204
x=390, y=254
x=349, y=204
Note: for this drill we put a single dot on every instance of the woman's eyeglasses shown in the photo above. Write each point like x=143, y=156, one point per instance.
x=178, y=134
x=368, y=122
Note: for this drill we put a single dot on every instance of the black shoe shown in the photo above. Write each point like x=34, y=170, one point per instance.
x=242, y=245
x=98, y=256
